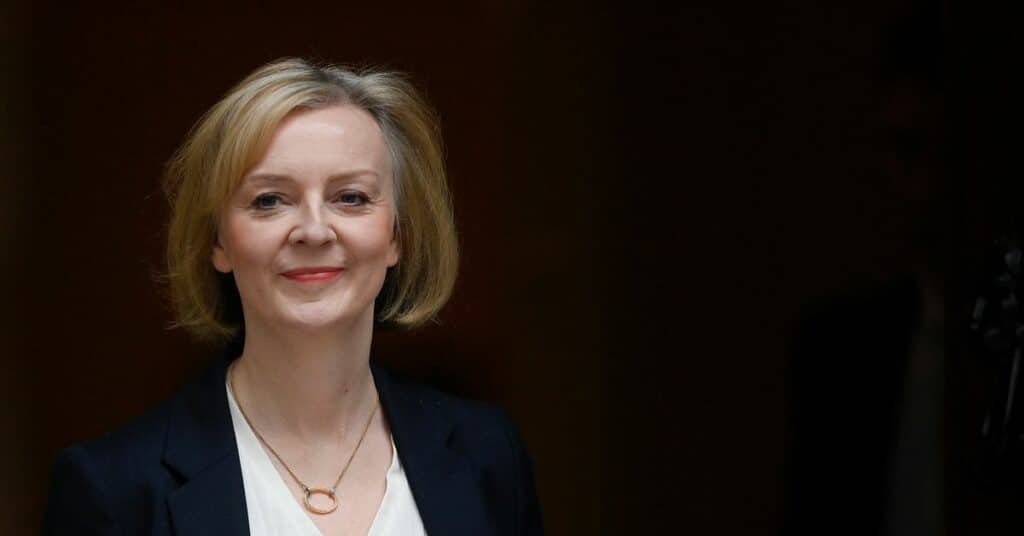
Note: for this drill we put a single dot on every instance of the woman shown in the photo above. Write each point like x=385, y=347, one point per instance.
x=308, y=205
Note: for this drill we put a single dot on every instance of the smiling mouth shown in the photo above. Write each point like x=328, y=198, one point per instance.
x=305, y=276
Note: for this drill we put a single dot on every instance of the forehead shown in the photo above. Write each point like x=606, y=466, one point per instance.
x=313, y=144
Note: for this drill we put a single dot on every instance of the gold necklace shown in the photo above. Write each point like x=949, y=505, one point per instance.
x=328, y=492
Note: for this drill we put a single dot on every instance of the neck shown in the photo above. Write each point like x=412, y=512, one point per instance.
x=309, y=386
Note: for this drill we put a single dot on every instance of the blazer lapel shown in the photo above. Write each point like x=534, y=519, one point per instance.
x=201, y=449
x=442, y=480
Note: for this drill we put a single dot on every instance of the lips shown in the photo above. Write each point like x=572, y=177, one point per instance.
x=312, y=274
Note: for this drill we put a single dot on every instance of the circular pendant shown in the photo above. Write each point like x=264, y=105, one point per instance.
x=321, y=491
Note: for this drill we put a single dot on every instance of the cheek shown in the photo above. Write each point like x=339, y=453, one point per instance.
x=370, y=243
x=250, y=249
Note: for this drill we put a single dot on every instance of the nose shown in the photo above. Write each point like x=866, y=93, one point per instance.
x=312, y=228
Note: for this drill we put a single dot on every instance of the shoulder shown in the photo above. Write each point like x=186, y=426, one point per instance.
x=125, y=450
x=481, y=433
x=474, y=420
x=134, y=443
x=109, y=483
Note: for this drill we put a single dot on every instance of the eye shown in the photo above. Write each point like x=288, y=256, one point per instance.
x=354, y=199
x=266, y=202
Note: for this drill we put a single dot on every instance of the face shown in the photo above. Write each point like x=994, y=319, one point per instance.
x=309, y=233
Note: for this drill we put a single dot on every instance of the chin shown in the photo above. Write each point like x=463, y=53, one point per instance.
x=319, y=318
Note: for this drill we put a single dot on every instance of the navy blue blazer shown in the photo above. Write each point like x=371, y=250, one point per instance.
x=175, y=470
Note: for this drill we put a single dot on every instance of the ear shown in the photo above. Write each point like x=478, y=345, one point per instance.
x=394, y=252
x=220, y=258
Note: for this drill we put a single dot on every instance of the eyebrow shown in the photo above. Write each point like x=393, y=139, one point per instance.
x=254, y=178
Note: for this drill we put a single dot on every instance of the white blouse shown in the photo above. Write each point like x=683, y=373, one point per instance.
x=274, y=511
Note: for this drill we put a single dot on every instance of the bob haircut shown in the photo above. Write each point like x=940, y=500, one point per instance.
x=232, y=136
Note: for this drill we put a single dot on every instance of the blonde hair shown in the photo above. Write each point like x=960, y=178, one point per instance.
x=230, y=138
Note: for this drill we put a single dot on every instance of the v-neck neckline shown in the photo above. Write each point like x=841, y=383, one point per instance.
x=281, y=490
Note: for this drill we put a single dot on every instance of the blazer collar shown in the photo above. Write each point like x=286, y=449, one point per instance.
x=200, y=448
x=442, y=479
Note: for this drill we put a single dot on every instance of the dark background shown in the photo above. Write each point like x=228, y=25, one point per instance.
x=647, y=196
